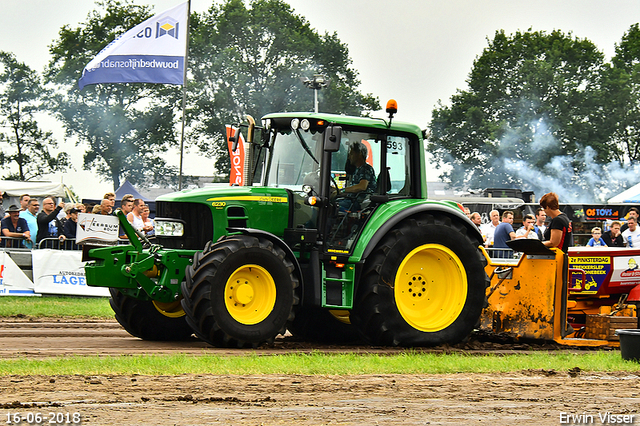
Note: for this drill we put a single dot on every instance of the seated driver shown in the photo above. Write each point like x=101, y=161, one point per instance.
x=363, y=178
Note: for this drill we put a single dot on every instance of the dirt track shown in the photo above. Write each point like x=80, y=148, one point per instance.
x=529, y=397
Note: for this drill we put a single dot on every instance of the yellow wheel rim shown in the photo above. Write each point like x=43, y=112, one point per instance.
x=171, y=310
x=430, y=287
x=250, y=294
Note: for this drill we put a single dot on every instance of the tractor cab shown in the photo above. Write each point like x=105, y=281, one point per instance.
x=308, y=154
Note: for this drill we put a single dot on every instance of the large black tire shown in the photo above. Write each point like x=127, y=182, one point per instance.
x=319, y=325
x=423, y=285
x=150, y=320
x=240, y=292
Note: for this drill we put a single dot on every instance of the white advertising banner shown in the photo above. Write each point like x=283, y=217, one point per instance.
x=13, y=281
x=62, y=272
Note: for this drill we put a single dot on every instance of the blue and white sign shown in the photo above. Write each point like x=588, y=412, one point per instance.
x=151, y=52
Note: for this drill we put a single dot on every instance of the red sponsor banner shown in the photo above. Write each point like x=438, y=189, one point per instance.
x=236, y=176
x=369, y=158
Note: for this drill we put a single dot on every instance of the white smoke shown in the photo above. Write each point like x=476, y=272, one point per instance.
x=577, y=179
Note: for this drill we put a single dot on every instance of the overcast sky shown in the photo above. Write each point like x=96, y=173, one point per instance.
x=415, y=51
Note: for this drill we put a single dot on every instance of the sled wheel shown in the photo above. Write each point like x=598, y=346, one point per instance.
x=150, y=320
x=241, y=293
x=424, y=284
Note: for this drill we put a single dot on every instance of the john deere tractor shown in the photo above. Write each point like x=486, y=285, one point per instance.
x=290, y=249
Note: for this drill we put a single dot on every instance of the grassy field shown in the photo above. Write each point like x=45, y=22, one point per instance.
x=56, y=307
x=410, y=362
x=320, y=364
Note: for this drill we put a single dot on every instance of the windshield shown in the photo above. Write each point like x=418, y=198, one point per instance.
x=294, y=158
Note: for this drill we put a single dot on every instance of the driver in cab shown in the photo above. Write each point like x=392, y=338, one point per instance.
x=363, y=178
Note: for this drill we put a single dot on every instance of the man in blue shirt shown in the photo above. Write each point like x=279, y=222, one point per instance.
x=30, y=215
x=503, y=233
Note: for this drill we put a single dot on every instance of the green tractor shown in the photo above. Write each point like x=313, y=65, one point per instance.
x=297, y=248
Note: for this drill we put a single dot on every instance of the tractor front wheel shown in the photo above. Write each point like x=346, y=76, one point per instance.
x=240, y=292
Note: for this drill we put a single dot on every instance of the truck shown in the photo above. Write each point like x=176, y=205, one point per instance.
x=291, y=250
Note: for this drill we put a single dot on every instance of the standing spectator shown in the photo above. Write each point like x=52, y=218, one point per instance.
x=540, y=226
x=559, y=233
x=631, y=236
x=66, y=210
x=96, y=209
x=14, y=225
x=31, y=216
x=71, y=225
x=81, y=208
x=633, y=212
x=488, y=229
x=24, y=202
x=126, y=206
x=596, y=238
x=504, y=231
x=134, y=217
x=467, y=212
x=48, y=224
x=112, y=199
x=476, y=219
x=149, y=224
x=105, y=207
x=526, y=230
x=613, y=237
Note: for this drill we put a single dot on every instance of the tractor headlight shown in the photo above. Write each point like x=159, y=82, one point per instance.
x=169, y=227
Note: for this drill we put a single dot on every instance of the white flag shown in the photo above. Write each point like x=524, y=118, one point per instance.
x=151, y=52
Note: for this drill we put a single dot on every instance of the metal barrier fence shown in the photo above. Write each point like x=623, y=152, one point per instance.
x=15, y=243
x=502, y=253
x=48, y=243
x=58, y=244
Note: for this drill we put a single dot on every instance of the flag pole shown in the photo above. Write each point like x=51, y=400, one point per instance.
x=184, y=92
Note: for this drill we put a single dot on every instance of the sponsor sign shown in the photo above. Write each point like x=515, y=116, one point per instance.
x=596, y=269
x=237, y=157
x=62, y=272
x=97, y=229
x=13, y=281
x=626, y=270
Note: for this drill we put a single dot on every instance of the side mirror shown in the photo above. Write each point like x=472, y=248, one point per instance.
x=332, y=137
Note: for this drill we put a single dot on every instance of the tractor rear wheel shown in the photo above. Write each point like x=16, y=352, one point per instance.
x=423, y=285
x=240, y=292
x=150, y=320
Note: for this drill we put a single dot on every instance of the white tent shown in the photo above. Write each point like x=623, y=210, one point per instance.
x=631, y=195
x=35, y=189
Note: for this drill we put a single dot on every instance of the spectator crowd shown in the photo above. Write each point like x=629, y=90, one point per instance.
x=32, y=225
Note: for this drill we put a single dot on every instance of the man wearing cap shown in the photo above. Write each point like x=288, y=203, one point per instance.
x=14, y=226
x=71, y=224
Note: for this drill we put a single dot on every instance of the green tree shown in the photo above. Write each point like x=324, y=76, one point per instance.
x=624, y=92
x=125, y=127
x=29, y=148
x=250, y=60
x=532, y=117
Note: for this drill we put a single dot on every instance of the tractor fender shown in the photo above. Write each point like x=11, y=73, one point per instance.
x=276, y=241
x=634, y=294
x=393, y=220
